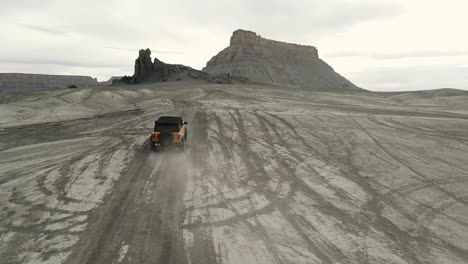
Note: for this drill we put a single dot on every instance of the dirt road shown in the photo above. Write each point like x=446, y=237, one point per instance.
x=269, y=176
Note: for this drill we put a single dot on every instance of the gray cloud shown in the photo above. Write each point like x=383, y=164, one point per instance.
x=42, y=29
x=13, y=7
x=60, y=62
x=122, y=20
x=296, y=20
x=402, y=55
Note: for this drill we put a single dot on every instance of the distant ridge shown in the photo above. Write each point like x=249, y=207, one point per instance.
x=275, y=62
x=38, y=82
x=441, y=92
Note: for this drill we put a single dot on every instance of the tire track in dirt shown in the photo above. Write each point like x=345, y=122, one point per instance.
x=411, y=168
x=148, y=227
x=265, y=180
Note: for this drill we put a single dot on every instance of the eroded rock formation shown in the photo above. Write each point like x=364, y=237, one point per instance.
x=269, y=61
x=148, y=71
x=143, y=65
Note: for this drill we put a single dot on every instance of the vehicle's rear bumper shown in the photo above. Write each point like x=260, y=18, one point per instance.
x=158, y=144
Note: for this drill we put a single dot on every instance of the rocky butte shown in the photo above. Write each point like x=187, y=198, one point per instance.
x=153, y=71
x=269, y=61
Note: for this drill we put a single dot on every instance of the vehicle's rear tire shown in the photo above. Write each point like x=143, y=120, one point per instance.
x=151, y=144
x=152, y=147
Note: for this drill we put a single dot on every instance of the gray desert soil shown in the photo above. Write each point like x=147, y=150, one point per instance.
x=270, y=175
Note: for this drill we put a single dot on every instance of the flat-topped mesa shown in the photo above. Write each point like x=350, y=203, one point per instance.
x=244, y=38
x=269, y=61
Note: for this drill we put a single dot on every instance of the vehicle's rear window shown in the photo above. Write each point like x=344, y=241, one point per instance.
x=166, y=127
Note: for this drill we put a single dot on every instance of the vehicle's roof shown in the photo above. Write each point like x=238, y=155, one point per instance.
x=169, y=119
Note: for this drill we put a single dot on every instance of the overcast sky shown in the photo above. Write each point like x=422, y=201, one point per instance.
x=378, y=44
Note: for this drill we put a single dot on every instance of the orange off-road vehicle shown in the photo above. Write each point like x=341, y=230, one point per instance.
x=169, y=131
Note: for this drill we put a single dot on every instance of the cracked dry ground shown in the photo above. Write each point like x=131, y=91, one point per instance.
x=269, y=176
